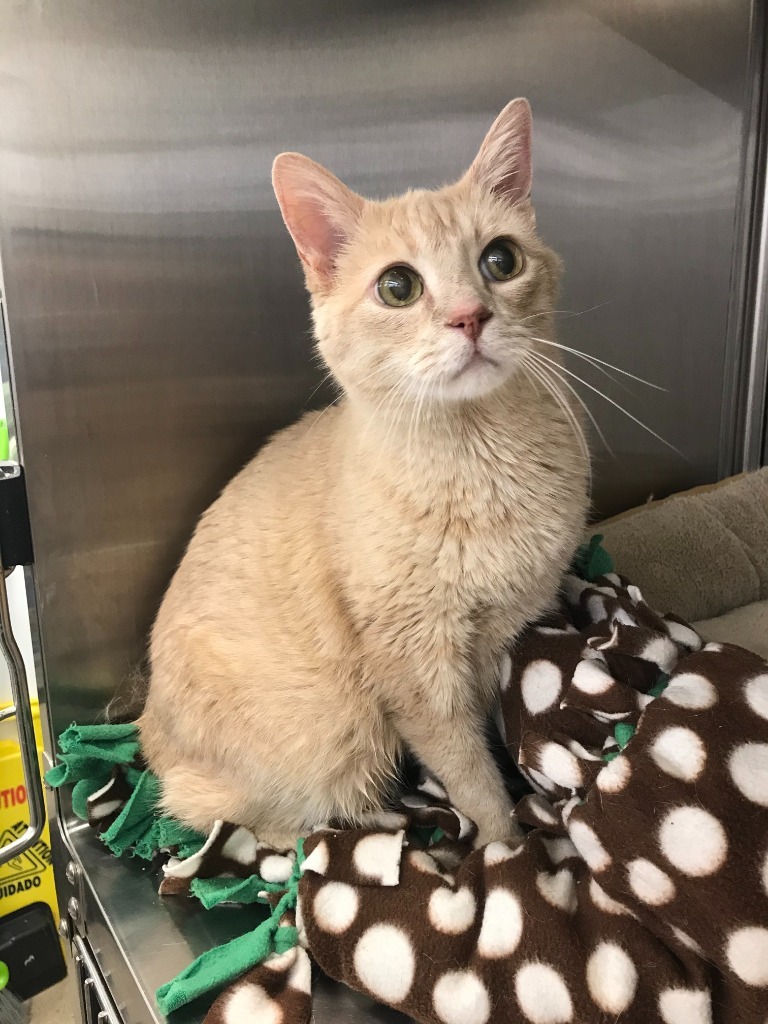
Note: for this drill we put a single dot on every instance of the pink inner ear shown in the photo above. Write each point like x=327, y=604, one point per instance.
x=516, y=185
x=317, y=240
x=318, y=210
x=503, y=164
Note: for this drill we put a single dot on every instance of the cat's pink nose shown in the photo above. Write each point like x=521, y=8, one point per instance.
x=470, y=319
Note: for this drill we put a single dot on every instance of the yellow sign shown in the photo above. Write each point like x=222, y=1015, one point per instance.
x=27, y=878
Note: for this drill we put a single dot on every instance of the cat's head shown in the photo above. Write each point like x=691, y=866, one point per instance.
x=430, y=295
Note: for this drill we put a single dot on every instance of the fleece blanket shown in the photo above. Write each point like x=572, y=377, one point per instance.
x=638, y=891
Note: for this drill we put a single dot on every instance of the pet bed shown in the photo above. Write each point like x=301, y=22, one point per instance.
x=705, y=554
x=639, y=892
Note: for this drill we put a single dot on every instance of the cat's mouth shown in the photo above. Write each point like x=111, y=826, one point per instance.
x=475, y=361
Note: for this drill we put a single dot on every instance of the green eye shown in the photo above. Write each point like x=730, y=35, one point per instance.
x=399, y=286
x=501, y=260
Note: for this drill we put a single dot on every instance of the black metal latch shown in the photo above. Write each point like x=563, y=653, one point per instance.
x=15, y=532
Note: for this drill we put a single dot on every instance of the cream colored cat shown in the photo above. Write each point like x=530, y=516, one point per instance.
x=352, y=589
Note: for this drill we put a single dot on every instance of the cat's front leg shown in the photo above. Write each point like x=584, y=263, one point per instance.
x=454, y=748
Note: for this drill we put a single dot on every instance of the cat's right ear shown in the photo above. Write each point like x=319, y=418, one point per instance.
x=319, y=212
x=503, y=165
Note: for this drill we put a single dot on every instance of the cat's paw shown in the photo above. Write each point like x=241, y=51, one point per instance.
x=500, y=828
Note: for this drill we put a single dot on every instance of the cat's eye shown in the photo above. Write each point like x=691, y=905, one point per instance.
x=399, y=286
x=501, y=260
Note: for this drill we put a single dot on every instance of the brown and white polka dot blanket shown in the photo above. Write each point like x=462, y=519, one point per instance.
x=639, y=892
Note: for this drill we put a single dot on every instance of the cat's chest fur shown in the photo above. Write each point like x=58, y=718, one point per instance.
x=466, y=544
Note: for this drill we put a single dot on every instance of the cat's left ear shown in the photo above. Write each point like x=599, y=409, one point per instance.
x=319, y=211
x=503, y=165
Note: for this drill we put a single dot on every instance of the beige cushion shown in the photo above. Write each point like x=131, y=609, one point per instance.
x=746, y=627
x=700, y=553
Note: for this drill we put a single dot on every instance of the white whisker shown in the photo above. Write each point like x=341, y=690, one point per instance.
x=324, y=411
x=394, y=416
x=601, y=362
x=412, y=420
x=565, y=312
x=611, y=401
x=578, y=398
x=424, y=395
x=372, y=418
x=324, y=380
x=595, y=366
x=336, y=400
x=544, y=378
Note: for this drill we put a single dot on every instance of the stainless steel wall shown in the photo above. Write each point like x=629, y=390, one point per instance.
x=157, y=321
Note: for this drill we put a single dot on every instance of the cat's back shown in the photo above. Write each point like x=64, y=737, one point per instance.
x=287, y=478
x=260, y=542
x=295, y=461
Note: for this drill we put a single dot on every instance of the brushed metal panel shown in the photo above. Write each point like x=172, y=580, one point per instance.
x=158, y=324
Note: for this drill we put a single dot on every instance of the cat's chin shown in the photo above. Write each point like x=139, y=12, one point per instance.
x=477, y=381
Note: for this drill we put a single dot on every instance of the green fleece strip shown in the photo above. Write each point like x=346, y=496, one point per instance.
x=218, y=967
